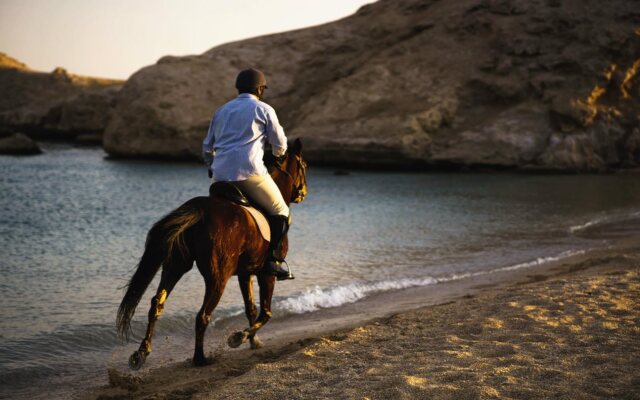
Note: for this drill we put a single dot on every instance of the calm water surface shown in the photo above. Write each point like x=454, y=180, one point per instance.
x=73, y=225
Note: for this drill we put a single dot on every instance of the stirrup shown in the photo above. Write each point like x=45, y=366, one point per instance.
x=281, y=274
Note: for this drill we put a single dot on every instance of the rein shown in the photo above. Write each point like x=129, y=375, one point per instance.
x=298, y=184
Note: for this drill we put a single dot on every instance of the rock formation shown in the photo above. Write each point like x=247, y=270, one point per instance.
x=539, y=84
x=18, y=144
x=53, y=105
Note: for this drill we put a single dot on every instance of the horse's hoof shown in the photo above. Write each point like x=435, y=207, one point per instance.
x=202, y=361
x=137, y=359
x=256, y=343
x=236, y=339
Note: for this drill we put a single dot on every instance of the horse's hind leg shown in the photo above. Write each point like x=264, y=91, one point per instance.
x=170, y=276
x=267, y=284
x=238, y=338
x=213, y=293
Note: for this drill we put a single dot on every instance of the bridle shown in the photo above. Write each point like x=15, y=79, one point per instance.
x=299, y=182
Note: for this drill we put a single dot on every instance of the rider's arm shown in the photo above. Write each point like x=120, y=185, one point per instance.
x=208, y=160
x=275, y=134
x=208, y=144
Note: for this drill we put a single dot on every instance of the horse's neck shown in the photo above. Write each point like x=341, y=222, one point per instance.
x=285, y=188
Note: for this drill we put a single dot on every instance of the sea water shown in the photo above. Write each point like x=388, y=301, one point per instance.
x=73, y=225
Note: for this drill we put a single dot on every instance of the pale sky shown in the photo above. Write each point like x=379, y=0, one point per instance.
x=115, y=38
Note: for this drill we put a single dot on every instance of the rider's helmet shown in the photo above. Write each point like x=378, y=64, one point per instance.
x=250, y=79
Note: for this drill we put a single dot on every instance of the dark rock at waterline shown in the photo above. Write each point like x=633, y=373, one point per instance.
x=509, y=84
x=18, y=144
x=89, y=139
x=56, y=105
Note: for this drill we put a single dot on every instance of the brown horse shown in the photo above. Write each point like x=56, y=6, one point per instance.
x=223, y=239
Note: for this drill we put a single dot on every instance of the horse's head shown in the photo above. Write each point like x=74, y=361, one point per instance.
x=290, y=174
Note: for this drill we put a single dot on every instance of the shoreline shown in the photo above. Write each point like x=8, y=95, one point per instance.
x=348, y=167
x=293, y=335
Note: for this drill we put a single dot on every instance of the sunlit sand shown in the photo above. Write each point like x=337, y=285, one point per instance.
x=569, y=331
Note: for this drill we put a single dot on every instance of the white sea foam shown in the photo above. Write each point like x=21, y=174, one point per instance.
x=317, y=298
x=581, y=227
x=528, y=264
x=604, y=219
x=542, y=260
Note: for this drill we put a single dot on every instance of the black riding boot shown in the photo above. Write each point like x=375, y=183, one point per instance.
x=279, y=226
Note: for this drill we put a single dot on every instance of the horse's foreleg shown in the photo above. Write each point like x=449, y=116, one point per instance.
x=267, y=284
x=170, y=276
x=212, y=296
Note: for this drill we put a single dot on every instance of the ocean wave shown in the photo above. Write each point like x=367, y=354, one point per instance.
x=609, y=218
x=542, y=260
x=87, y=338
x=317, y=298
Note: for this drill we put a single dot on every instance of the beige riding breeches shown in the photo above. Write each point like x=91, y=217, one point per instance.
x=264, y=191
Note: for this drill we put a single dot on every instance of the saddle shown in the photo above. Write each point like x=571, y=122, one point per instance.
x=231, y=192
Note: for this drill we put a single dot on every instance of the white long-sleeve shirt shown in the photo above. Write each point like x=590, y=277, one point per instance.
x=234, y=146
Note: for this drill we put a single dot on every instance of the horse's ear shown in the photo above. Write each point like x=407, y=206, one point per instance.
x=297, y=146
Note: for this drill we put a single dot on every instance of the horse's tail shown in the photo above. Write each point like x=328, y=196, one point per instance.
x=164, y=241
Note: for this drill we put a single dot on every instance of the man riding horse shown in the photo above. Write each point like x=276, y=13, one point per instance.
x=220, y=235
x=233, y=151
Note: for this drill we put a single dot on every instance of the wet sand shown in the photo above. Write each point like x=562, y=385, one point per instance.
x=569, y=329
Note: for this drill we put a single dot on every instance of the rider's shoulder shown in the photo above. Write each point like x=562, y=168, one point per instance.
x=265, y=106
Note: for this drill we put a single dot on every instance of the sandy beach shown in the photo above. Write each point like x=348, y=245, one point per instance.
x=569, y=329
x=471, y=219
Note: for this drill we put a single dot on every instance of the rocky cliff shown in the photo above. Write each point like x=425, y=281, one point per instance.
x=53, y=105
x=547, y=84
